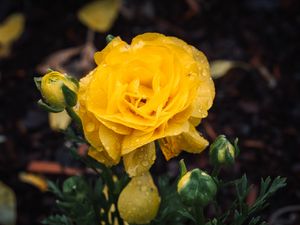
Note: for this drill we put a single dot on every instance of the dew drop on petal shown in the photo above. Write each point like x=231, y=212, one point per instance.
x=90, y=127
x=145, y=163
x=144, y=189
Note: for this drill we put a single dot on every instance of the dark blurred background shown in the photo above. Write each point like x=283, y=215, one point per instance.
x=259, y=105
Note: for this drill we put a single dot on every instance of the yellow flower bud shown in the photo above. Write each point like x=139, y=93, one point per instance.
x=139, y=201
x=51, y=88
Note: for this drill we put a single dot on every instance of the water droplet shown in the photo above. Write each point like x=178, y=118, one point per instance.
x=145, y=163
x=90, y=127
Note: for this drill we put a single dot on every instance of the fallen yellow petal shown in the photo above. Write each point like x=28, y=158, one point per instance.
x=11, y=28
x=139, y=161
x=59, y=121
x=4, y=50
x=99, y=15
x=34, y=180
x=8, y=205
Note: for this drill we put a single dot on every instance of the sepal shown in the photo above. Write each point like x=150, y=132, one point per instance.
x=48, y=108
x=69, y=95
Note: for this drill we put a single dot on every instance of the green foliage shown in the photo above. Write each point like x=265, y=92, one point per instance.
x=90, y=202
x=57, y=220
x=86, y=202
x=172, y=211
x=240, y=210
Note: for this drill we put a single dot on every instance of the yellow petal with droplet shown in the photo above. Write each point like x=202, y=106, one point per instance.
x=139, y=161
x=101, y=156
x=11, y=28
x=139, y=201
x=99, y=15
x=111, y=142
x=190, y=141
x=59, y=121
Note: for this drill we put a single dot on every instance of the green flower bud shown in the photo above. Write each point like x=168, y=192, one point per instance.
x=196, y=188
x=222, y=152
x=58, y=90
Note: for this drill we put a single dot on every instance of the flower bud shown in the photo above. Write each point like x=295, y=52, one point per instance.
x=222, y=152
x=54, y=88
x=196, y=188
x=139, y=201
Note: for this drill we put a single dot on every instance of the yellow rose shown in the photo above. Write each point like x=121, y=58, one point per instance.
x=158, y=87
x=51, y=88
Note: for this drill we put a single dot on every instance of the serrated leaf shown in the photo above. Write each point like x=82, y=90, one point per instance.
x=242, y=188
x=99, y=15
x=8, y=213
x=52, y=187
x=57, y=220
x=59, y=121
x=186, y=214
x=219, y=68
x=11, y=28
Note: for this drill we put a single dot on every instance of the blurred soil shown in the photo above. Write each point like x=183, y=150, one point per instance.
x=265, y=117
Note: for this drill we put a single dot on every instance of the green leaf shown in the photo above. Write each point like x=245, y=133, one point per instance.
x=52, y=187
x=242, y=188
x=70, y=96
x=182, y=168
x=267, y=189
x=48, y=108
x=57, y=220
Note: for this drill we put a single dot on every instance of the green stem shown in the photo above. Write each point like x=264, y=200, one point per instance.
x=216, y=171
x=199, y=215
x=75, y=117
